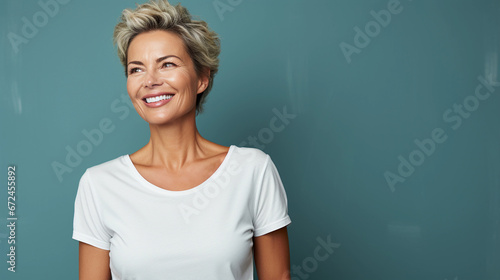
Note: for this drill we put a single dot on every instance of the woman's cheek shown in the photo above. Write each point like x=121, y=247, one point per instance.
x=132, y=87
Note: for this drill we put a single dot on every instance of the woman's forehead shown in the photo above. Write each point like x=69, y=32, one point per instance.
x=155, y=44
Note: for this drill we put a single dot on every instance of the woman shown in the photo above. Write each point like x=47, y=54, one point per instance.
x=181, y=207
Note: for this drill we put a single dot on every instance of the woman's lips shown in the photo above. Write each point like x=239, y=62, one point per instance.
x=157, y=101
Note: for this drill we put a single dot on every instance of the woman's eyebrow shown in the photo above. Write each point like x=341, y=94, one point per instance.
x=167, y=56
x=158, y=60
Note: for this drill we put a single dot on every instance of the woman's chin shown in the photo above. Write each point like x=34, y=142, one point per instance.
x=161, y=117
x=159, y=122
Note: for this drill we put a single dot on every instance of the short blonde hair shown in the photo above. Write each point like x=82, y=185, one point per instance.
x=202, y=44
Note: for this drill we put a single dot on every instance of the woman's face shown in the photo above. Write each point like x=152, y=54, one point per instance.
x=162, y=82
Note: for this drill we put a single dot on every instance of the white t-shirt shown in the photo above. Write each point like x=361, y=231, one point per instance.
x=201, y=233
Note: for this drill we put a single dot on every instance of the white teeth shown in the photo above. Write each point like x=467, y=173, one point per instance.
x=158, y=98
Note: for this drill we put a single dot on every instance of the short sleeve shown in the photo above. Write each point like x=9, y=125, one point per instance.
x=88, y=226
x=271, y=205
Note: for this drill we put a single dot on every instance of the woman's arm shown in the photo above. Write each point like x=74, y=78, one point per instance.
x=93, y=263
x=272, y=255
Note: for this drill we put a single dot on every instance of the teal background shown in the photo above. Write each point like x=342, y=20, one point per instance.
x=352, y=122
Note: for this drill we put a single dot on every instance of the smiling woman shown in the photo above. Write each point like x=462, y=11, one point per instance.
x=155, y=79
x=181, y=207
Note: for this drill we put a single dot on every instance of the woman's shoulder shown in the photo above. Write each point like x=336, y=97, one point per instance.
x=113, y=166
x=250, y=155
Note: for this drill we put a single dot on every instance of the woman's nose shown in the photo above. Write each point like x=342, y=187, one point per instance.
x=152, y=79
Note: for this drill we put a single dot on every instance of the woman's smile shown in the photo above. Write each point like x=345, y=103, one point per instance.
x=157, y=100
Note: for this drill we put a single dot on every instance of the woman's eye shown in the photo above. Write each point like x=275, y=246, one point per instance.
x=134, y=70
x=168, y=64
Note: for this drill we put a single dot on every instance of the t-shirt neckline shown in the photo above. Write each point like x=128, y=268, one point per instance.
x=149, y=185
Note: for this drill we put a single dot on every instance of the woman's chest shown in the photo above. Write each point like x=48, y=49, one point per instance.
x=200, y=232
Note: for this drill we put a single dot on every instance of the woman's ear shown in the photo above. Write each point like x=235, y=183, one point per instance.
x=203, y=80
